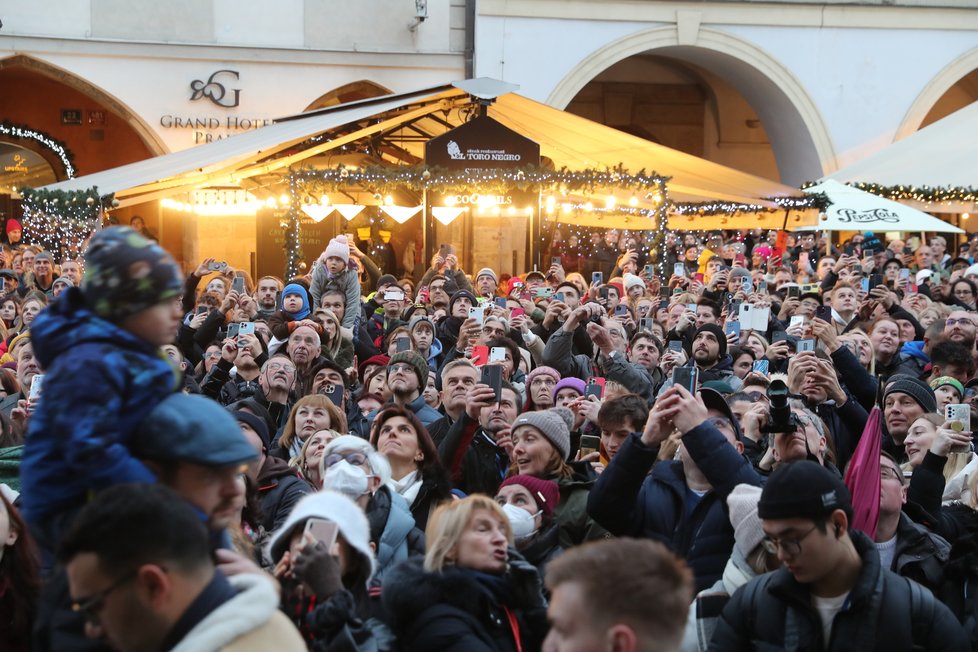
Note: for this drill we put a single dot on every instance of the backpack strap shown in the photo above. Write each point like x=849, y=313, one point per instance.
x=922, y=609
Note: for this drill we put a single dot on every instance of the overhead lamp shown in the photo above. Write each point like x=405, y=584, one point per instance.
x=349, y=211
x=446, y=214
x=401, y=214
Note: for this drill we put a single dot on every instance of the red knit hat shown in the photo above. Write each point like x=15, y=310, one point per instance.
x=380, y=360
x=545, y=492
x=13, y=225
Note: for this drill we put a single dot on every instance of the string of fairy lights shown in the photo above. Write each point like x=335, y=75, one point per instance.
x=61, y=221
x=59, y=149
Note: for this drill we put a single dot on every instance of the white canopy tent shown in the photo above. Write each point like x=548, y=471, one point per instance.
x=566, y=139
x=941, y=155
x=855, y=210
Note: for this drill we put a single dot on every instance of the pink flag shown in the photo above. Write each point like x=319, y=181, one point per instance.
x=863, y=476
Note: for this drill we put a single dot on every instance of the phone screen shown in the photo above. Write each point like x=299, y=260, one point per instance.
x=322, y=530
x=238, y=284
x=687, y=377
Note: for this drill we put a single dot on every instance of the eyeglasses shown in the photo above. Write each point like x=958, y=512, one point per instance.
x=889, y=473
x=791, y=547
x=956, y=322
x=436, y=288
x=90, y=607
x=355, y=458
x=280, y=366
x=403, y=368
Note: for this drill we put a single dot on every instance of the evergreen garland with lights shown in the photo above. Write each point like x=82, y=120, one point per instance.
x=61, y=220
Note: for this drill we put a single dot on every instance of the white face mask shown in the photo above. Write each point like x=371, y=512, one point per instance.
x=347, y=479
x=522, y=522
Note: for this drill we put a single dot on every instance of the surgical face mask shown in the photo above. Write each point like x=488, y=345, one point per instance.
x=521, y=521
x=347, y=479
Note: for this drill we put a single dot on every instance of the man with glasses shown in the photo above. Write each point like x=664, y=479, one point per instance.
x=276, y=381
x=960, y=327
x=680, y=503
x=141, y=577
x=832, y=593
x=906, y=548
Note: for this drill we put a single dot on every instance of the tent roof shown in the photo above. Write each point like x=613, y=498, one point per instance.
x=941, y=154
x=409, y=119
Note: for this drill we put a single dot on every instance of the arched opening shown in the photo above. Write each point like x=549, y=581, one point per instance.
x=745, y=98
x=681, y=106
x=358, y=90
x=961, y=94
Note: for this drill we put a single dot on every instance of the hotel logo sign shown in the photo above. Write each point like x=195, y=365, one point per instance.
x=216, y=89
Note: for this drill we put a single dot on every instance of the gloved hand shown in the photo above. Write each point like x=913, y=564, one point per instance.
x=318, y=570
x=525, y=582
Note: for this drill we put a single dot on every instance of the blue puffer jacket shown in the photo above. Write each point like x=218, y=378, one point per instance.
x=100, y=382
x=630, y=501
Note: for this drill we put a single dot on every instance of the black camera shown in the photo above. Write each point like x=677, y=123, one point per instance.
x=782, y=420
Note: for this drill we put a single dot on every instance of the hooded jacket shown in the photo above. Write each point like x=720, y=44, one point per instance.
x=103, y=381
x=882, y=612
x=392, y=530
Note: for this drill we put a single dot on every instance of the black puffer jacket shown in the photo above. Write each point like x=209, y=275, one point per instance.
x=453, y=611
x=883, y=612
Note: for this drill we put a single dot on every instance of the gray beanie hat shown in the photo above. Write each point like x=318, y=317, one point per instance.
x=742, y=502
x=555, y=424
x=916, y=389
x=487, y=271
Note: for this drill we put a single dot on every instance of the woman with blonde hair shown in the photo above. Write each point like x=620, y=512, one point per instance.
x=472, y=592
x=309, y=459
x=309, y=414
x=338, y=349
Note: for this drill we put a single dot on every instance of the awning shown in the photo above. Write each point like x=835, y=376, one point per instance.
x=855, y=210
x=569, y=140
x=941, y=155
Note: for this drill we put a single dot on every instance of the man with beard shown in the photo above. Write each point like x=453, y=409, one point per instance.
x=540, y=388
x=266, y=295
x=710, y=357
x=960, y=327
x=407, y=375
x=22, y=351
x=305, y=350
x=905, y=399
x=457, y=378
x=478, y=446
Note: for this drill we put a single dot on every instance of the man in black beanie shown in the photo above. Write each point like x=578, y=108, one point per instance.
x=832, y=593
x=709, y=354
x=904, y=401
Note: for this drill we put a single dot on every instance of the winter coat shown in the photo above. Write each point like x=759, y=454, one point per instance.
x=102, y=381
x=225, y=389
x=920, y=554
x=346, y=281
x=392, y=530
x=630, y=501
x=435, y=489
x=453, y=611
x=883, y=612
x=248, y=622
x=575, y=526
x=557, y=354
x=542, y=547
x=280, y=487
x=474, y=463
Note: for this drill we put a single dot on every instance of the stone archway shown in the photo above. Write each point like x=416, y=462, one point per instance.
x=358, y=90
x=146, y=134
x=950, y=76
x=799, y=137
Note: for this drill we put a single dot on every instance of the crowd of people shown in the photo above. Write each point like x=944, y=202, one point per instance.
x=626, y=450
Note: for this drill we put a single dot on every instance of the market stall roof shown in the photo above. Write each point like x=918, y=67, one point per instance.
x=855, y=210
x=941, y=155
x=569, y=140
